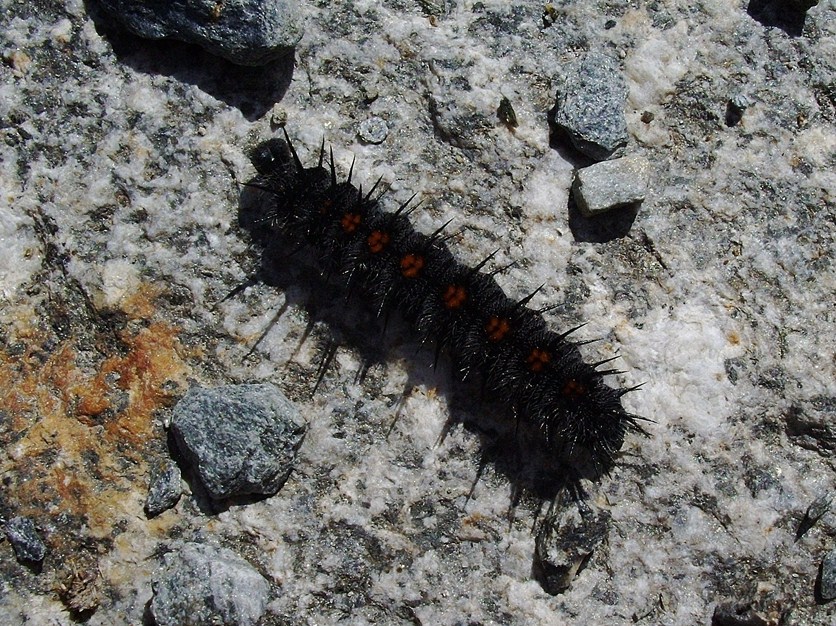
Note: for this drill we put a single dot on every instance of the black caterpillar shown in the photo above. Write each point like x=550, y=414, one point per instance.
x=539, y=374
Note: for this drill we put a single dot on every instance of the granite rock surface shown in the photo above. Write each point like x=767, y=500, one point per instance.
x=125, y=281
x=206, y=584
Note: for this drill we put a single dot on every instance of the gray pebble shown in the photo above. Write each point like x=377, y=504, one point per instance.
x=604, y=186
x=373, y=130
x=25, y=540
x=819, y=506
x=164, y=490
x=278, y=117
x=735, y=107
x=241, y=439
x=246, y=32
x=815, y=512
x=827, y=588
x=203, y=584
x=741, y=101
x=565, y=543
x=590, y=106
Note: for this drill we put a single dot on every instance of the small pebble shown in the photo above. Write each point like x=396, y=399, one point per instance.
x=506, y=114
x=735, y=108
x=278, y=117
x=164, y=490
x=373, y=130
x=590, y=106
x=240, y=439
x=611, y=184
x=828, y=576
x=25, y=540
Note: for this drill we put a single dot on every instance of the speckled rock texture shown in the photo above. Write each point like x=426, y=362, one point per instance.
x=565, y=545
x=604, y=186
x=247, y=32
x=125, y=281
x=590, y=105
x=164, y=488
x=827, y=578
x=202, y=584
x=238, y=439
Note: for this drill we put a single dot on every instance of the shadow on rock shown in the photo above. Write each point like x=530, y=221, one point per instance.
x=251, y=90
x=788, y=15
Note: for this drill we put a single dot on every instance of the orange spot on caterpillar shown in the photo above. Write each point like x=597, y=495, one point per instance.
x=350, y=222
x=573, y=389
x=411, y=265
x=378, y=241
x=454, y=296
x=537, y=360
x=496, y=328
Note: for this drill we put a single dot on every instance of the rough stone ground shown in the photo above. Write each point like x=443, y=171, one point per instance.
x=119, y=243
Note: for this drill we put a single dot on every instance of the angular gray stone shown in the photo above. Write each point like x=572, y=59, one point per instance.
x=246, y=32
x=735, y=108
x=25, y=540
x=241, y=439
x=610, y=184
x=202, y=584
x=827, y=587
x=164, y=490
x=590, y=106
x=815, y=512
x=819, y=507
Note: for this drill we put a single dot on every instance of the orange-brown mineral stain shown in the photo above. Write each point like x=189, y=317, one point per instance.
x=77, y=428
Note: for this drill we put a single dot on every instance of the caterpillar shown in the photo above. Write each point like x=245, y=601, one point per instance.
x=538, y=374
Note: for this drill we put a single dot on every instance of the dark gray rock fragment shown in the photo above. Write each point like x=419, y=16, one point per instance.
x=810, y=424
x=735, y=108
x=506, y=114
x=241, y=439
x=815, y=512
x=203, y=584
x=246, y=32
x=25, y=540
x=164, y=490
x=590, y=106
x=738, y=614
x=565, y=543
x=819, y=507
x=827, y=580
